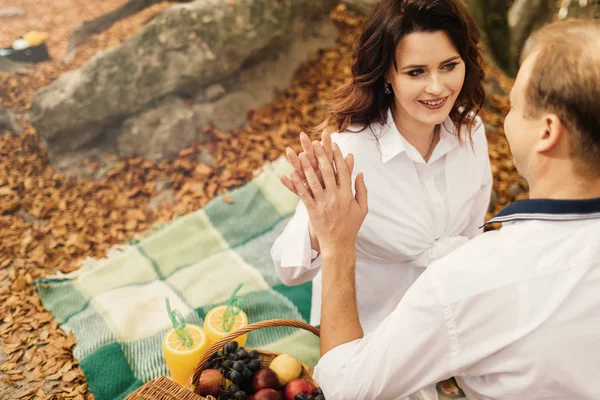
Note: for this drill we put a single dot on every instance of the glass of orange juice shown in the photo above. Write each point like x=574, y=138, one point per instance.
x=222, y=320
x=214, y=324
x=184, y=345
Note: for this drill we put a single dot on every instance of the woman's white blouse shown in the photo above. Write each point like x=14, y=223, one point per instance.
x=418, y=212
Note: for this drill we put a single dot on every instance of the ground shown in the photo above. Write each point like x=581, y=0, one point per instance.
x=50, y=222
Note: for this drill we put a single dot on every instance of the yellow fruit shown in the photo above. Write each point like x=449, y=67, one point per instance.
x=182, y=360
x=286, y=367
x=213, y=325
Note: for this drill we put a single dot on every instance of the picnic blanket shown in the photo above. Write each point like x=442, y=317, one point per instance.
x=116, y=306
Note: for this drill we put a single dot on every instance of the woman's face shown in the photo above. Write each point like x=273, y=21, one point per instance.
x=428, y=80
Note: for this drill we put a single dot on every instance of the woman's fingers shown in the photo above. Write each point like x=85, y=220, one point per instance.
x=308, y=149
x=287, y=182
x=302, y=191
x=313, y=181
x=326, y=168
x=326, y=141
x=293, y=159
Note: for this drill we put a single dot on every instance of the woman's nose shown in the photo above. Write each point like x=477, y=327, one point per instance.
x=435, y=85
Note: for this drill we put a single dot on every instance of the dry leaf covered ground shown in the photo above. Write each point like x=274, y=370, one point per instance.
x=50, y=222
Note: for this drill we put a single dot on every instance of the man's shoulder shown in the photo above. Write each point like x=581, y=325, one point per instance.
x=515, y=255
x=474, y=268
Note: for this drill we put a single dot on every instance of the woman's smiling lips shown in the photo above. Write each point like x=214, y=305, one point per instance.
x=434, y=104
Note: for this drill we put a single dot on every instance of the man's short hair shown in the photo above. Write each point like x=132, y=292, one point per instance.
x=565, y=80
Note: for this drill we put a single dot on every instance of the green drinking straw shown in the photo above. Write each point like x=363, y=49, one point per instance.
x=179, y=325
x=234, y=307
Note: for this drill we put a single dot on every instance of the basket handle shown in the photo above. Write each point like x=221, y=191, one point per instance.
x=246, y=329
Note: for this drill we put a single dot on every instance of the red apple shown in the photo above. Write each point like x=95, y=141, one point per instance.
x=210, y=383
x=297, y=386
x=264, y=378
x=267, y=394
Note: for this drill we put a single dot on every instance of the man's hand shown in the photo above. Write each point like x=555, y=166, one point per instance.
x=307, y=146
x=336, y=215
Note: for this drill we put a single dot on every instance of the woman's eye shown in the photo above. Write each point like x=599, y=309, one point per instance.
x=450, y=66
x=416, y=72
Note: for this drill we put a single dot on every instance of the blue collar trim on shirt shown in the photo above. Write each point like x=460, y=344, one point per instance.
x=549, y=210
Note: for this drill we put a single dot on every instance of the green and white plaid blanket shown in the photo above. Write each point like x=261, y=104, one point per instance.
x=116, y=306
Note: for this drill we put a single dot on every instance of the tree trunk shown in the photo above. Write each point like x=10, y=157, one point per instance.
x=524, y=18
x=491, y=17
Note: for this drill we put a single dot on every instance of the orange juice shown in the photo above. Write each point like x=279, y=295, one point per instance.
x=213, y=325
x=182, y=360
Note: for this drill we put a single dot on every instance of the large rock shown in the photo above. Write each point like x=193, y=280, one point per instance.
x=160, y=132
x=186, y=50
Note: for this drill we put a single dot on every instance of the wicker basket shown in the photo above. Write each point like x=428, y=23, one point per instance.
x=165, y=389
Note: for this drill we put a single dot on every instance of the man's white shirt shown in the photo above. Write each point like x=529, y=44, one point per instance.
x=418, y=212
x=513, y=314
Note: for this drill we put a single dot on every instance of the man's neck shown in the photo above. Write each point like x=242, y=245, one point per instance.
x=567, y=188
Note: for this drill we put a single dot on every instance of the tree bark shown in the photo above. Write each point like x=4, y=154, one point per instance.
x=524, y=18
x=103, y=22
x=491, y=17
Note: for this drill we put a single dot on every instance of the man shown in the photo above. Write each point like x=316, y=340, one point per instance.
x=515, y=313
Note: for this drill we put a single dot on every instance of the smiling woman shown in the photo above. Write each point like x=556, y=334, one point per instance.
x=409, y=117
x=426, y=84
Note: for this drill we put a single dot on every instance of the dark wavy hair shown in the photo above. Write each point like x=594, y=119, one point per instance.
x=362, y=101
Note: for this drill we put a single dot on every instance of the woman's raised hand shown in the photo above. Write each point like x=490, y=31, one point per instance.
x=308, y=149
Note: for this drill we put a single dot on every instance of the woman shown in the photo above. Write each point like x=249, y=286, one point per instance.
x=409, y=117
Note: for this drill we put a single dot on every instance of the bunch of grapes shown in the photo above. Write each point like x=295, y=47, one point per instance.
x=237, y=365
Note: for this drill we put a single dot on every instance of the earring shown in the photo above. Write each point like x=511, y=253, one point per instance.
x=387, y=88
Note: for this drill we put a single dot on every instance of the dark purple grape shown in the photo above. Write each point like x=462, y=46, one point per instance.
x=240, y=395
x=254, y=365
x=242, y=353
x=235, y=377
x=232, y=356
x=247, y=374
x=239, y=366
x=301, y=396
x=253, y=354
x=233, y=388
x=319, y=397
x=318, y=391
x=231, y=347
x=228, y=363
x=222, y=370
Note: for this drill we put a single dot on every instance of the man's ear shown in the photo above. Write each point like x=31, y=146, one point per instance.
x=551, y=133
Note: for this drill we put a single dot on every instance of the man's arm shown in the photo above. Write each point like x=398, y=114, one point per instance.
x=339, y=313
x=336, y=215
x=412, y=349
